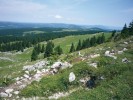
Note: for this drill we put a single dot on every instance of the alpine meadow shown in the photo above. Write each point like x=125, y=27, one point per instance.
x=66, y=50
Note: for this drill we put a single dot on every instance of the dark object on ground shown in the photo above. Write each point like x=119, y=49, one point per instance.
x=91, y=83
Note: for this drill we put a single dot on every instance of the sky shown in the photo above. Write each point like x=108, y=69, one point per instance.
x=82, y=12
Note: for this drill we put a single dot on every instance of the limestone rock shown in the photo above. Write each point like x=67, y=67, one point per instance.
x=71, y=77
x=2, y=94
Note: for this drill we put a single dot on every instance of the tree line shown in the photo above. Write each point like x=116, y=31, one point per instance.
x=13, y=39
x=126, y=31
x=89, y=42
x=48, y=51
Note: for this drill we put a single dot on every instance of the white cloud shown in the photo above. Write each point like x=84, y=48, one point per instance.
x=58, y=16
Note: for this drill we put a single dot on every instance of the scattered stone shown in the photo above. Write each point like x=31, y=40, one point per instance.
x=58, y=95
x=102, y=78
x=18, y=82
x=16, y=92
x=2, y=94
x=26, y=76
x=71, y=77
x=93, y=65
x=38, y=72
x=56, y=65
x=9, y=90
x=107, y=53
x=38, y=65
x=9, y=95
x=125, y=49
x=17, y=97
x=22, y=86
x=17, y=78
x=125, y=60
x=95, y=55
x=27, y=72
x=120, y=52
x=125, y=42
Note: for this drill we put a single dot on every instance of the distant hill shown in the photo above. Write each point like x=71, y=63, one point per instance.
x=10, y=25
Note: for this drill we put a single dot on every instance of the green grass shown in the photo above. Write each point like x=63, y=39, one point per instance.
x=59, y=82
x=117, y=85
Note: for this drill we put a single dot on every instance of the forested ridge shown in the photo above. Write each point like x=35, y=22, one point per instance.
x=14, y=39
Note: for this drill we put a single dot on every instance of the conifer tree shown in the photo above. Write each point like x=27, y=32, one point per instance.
x=124, y=31
x=103, y=38
x=43, y=49
x=34, y=55
x=49, y=49
x=72, y=49
x=79, y=46
x=131, y=28
x=58, y=50
x=113, y=33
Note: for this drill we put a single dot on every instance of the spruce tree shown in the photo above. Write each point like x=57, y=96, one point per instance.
x=131, y=28
x=34, y=55
x=49, y=49
x=124, y=31
x=103, y=38
x=58, y=50
x=72, y=49
x=79, y=46
x=113, y=33
x=43, y=49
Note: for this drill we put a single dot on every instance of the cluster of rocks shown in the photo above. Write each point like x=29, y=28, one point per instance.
x=110, y=54
x=93, y=65
x=59, y=65
x=125, y=60
x=94, y=55
x=9, y=92
x=38, y=65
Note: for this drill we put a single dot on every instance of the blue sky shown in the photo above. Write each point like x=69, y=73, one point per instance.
x=84, y=12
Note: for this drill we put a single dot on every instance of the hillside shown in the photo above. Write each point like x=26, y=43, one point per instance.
x=113, y=72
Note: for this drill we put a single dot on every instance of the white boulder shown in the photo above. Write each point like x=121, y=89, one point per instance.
x=93, y=65
x=120, y=52
x=57, y=64
x=27, y=72
x=22, y=86
x=9, y=95
x=16, y=92
x=125, y=49
x=26, y=76
x=17, y=78
x=95, y=55
x=9, y=90
x=125, y=42
x=125, y=60
x=71, y=77
x=2, y=94
x=107, y=53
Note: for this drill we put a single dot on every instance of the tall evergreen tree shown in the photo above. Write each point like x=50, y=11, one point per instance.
x=103, y=38
x=93, y=41
x=43, y=49
x=72, y=49
x=79, y=46
x=34, y=55
x=113, y=33
x=49, y=49
x=124, y=31
x=131, y=28
x=58, y=50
